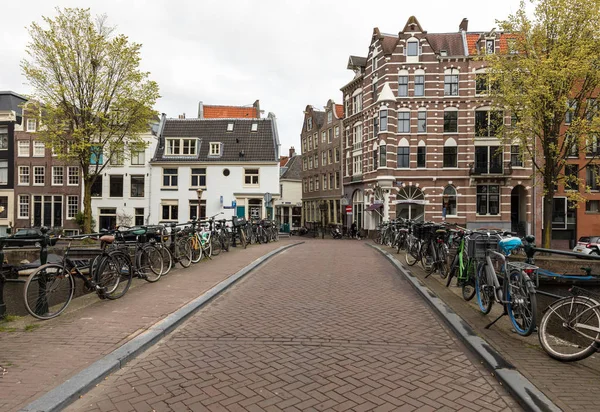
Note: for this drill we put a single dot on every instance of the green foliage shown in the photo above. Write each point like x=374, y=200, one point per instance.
x=80, y=220
x=92, y=95
x=550, y=72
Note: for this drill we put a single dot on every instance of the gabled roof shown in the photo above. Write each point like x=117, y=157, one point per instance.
x=230, y=112
x=239, y=145
x=356, y=62
x=450, y=42
x=319, y=118
x=294, y=169
x=412, y=24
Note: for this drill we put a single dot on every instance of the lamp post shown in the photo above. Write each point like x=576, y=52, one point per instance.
x=323, y=208
x=199, y=194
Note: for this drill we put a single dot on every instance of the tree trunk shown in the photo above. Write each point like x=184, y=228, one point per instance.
x=548, y=204
x=87, y=206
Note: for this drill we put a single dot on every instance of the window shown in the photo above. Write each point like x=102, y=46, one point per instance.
x=403, y=160
x=451, y=82
x=481, y=84
x=96, y=157
x=422, y=121
x=450, y=156
x=254, y=127
x=72, y=176
x=488, y=200
x=403, y=122
x=383, y=119
x=329, y=116
x=185, y=147
x=58, y=175
x=309, y=123
x=310, y=145
x=251, y=177
x=421, y=156
x=97, y=187
x=375, y=126
x=323, y=159
x=169, y=177
x=374, y=89
x=117, y=156
x=24, y=206
x=3, y=138
x=449, y=201
x=357, y=103
x=571, y=178
x=488, y=159
x=39, y=175
x=215, y=149
x=382, y=155
x=72, y=206
x=516, y=157
x=488, y=123
x=375, y=158
x=571, y=108
x=329, y=157
x=137, y=185
x=337, y=131
x=336, y=152
x=39, y=149
x=139, y=216
x=412, y=48
x=318, y=182
x=592, y=146
x=23, y=148
x=329, y=135
x=419, y=84
x=316, y=139
x=305, y=185
x=199, y=177
x=310, y=163
x=451, y=121
x=357, y=165
x=324, y=137
x=24, y=175
x=304, y=145
x=312, y=184
x=170, y=211
x=337, y=180
x=331, y=181
x=490, y=46
x=138, y=157
x=592, y=206
x=403, y=85
x=4, y=207
x=116, y=186
x=591, y=177
x=30, y=125
x=230, y=127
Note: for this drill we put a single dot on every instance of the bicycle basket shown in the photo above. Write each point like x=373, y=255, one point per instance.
x=238, y=221
x=479, y=243
x=266, y=223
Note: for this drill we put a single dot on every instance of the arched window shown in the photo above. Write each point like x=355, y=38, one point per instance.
x=450, y=153
x=410, y=203
x=451, y=120
x=421, y=154
x=449, y=201
x=403, y=159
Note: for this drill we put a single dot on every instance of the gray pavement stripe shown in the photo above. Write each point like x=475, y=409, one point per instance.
x=61, y=396
x=527, y=394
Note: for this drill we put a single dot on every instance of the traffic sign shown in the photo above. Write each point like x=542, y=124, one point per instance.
x=349, y=210
x=268, y=197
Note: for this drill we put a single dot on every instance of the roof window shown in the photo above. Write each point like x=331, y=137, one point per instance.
x=254, y=127
x=230, y=127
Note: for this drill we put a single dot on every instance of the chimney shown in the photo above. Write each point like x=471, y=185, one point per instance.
x=292, y=152
x=200, y=110
x=464, y=24
x=256, y=106
x=182, y=116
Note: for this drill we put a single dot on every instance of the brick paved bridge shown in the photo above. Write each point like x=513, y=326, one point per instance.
x=327, y=325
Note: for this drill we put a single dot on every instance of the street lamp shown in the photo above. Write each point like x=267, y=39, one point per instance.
x=199, y=194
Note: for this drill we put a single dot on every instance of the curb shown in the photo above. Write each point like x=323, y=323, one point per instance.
x=70, y=390
x=525, y=392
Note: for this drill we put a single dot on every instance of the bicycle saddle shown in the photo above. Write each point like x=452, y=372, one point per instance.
x=107, y=238
x=509, y=244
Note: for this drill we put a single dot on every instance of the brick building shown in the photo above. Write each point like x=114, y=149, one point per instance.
x=47, y=191
x=321, y=140
x=421, y=139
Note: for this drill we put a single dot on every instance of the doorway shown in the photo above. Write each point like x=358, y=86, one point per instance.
x=518, y=210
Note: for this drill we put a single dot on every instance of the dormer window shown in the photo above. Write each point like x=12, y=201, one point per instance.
x=31, y=125
x=443, y=53
x=176, y=146
x=230, y=127
x=329, y=117
x=254, y=127
x=490, y=46
x=309, y=123
x=215, y=149
x=412, y=48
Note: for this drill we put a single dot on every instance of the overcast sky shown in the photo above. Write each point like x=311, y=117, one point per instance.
x=286, y=53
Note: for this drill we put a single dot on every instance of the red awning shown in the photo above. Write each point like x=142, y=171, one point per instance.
x=375, y=206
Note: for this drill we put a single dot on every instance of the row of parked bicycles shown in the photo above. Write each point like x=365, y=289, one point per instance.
x=478, y=262
x=146, y=252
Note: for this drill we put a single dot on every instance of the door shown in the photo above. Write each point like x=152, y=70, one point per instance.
x=241, y=211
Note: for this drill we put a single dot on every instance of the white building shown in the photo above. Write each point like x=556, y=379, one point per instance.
x=288, y=208
x=202, y=167
x=121, y=193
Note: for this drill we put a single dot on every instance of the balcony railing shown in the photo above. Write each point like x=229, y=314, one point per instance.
x=490, y=168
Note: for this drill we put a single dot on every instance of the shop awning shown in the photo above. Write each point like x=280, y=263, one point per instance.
x=375, y=206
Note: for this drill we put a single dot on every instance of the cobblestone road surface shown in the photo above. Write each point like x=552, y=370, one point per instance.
x=327, y=325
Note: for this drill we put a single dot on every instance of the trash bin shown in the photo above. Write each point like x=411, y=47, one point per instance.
x=572, y=243
x=285, y=228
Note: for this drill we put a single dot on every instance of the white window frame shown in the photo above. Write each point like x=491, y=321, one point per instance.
x=30, y=129
x=170, y=186
x=252, y=176
x=70, y=174
x=21, y=146
x=39, y=149
x=215, y=149
x=254, y=127
x=35, y=175
x=138, y=157
x=3, y=138
x=70, y=204
x=55, y=175
x=27, y=204
x=169, y=204
x=175, y=146
x=21, y=175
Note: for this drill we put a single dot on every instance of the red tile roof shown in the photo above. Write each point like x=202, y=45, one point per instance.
x=472, y=43
x=283, y=160
x=339, y=111
x=230, y=112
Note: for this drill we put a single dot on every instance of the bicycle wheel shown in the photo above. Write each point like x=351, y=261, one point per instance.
x=454, y=267
x=48, y=291
x=149, y=262
x=427, y=258
x=442, y=263
x=522, y=303
x=569, y=329
x=184, y=253
x=167, y=258
x=484, y=298
x=114, y=275
x=468, y=284
x=225, y=241
x=276, y=234
x=196, y=249
x=412, y=254
x=215, y=244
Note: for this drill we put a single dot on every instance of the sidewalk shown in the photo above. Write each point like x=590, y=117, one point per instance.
x=49, y=352
x=571, y=386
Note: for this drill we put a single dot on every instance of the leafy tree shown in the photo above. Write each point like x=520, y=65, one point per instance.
x=94, y=99
x=548, y=75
